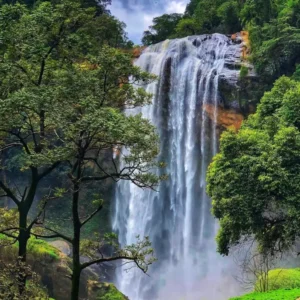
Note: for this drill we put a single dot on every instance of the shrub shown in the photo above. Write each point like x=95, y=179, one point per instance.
x=244, y=72
x=284, y=279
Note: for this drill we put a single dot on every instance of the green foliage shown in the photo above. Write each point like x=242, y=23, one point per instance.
x=274, y=36
x=244, y=71
x=37, y=248
x=258, y=11
x=141, y=253
x=283, y=279
x=9, y=282
x=107, y=291
x=273, y=295
x=254, y=180
x=201, y=16
x=228, y=13
x=163, y=28
x=276, y=48
x=296, y=75
x=206, y=16
x=41, y=248
x=108, y=28
x=185, y=27
x=63, y=92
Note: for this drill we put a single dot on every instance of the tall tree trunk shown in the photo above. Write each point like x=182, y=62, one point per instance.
x=76, y=238
x=22, y=253
x=24, y=230
x=76, y=270
x=6, y=199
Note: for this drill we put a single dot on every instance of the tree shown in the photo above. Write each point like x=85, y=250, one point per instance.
x=206, y=16
x=163, y=28
x=258, y=12
x=191, y=7
x=98, y=5
x=228, y=12
x=186, y=27
x=62, y=99
x=31, y=41
x=96, y=99
x=254, y=180
x=254, y=267
x=276, y=44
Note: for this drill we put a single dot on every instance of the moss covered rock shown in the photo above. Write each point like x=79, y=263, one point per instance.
x=104, y=291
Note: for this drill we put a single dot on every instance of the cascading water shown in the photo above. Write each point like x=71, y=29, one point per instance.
x=177, y=218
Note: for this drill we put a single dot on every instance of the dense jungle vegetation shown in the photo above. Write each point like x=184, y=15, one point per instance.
x=66, y=75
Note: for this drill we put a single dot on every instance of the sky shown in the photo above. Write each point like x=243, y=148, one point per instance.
x=138, y=14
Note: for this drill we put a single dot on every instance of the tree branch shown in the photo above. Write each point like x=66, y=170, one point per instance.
x=49, y=170
x=64, y=237
x=91, y=215
x=114, y=258
x=97, y=178
x=9, y=193
x=4, y=231
x=46, y=236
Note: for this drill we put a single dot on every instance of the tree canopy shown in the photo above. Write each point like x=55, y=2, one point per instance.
x=254, y=180
x=163, y=28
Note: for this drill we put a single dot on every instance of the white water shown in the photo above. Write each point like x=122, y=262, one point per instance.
x=178, y=218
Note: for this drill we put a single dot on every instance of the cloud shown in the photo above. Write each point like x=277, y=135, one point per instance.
x=138, y=14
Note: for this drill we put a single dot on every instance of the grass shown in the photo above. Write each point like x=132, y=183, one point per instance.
x=35, y=247
x=283, y=284
x=272, y=295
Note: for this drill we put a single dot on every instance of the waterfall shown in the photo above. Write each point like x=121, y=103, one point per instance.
x=177, y=218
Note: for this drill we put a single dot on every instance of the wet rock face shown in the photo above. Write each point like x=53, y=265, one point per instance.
x=62, y=246
x=239, y=87
x=242, y=94
x=225, y=118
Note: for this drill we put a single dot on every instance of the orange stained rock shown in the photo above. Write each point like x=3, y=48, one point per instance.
x=245, y=37
x=227, y=118
x=137, y=51
x=246, y=47
x=246, y=43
